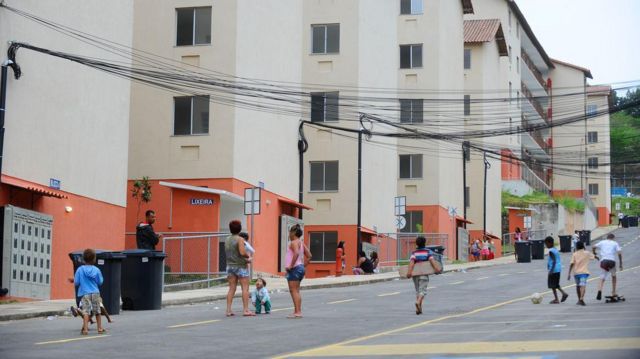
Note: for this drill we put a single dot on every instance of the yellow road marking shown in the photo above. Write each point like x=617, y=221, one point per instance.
x=342, y=301
x=482, y=278
x=422, y=324
x=72, y=339
x=458, y=282
x=516, y=321
x=388, y=294
x=521, y=272
x=439, y=332
x=477, y=347
x=192, y=324
x=503, y=274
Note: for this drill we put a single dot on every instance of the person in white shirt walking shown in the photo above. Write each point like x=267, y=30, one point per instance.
x=620, y=217
x=608, y=249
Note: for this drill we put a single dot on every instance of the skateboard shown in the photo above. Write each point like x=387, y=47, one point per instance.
x=614, y=298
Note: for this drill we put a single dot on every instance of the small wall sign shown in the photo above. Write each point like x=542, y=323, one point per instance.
x=201, y=202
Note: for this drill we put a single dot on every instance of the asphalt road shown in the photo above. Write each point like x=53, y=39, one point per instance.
x=480, y=313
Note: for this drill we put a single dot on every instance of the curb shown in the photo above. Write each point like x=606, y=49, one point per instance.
x=210, y=298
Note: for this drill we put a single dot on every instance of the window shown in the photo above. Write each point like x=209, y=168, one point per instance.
x=323, y=246
x=518, y=64
x=467, y=105
x=592, y=162
x=410, y=56
x=411, y=110
x=410, y=166
x=518, y=98
x=509, y=19
x=593, y=189
x=592, y=110
x=324, y=106
x=518, y=30
x=414, y=222
x=510, y=91
x=193, y=26
x=467, y=59
x=324, y=176
x=510, y=55
x=410, y=7
x=618, y=206
x=325, y=39
x=191, y=115
x=592, y=137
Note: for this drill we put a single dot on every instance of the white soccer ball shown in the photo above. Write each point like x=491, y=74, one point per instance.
x=536, y=298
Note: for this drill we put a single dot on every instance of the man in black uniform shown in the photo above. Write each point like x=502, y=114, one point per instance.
x=146, y=238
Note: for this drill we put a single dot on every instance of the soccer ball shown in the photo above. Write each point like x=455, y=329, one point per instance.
x=536, y=298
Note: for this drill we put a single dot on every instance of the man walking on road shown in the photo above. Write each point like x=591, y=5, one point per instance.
x=146, y=237
x=607, y=256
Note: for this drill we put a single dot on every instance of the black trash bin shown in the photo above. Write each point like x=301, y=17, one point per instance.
x=110, y=264
x=625, y=222
x=585, y=236
x=439, y=251
x=537, y=248
x=142, y=279
x=523, y=251
x=632, y=221
x=565, y=244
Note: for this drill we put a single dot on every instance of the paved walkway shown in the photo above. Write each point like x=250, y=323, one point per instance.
x=25, y=310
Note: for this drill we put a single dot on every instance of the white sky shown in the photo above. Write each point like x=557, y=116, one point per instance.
x=601, y=35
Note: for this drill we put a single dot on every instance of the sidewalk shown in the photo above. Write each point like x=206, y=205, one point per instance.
x=26, y=310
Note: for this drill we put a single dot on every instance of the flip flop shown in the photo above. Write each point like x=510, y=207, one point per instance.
x=555, y=301
x=249, y=314
x=230, y=314
x=294, y=316
x=564, y=297
x=102, y=331
x=84, y=332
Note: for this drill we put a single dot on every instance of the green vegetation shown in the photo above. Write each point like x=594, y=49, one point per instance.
x=571, y=204
x=625, y=141
x=510, y=200
x=634, y=206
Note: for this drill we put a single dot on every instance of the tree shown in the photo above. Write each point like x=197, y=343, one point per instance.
x=142, y=193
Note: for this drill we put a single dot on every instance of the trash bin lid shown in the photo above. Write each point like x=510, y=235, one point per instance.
x=143, y=253
x=105, y=254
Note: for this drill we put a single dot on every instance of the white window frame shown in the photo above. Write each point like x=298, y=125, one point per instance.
x=193, y=30
x=412, y=47
x=323, y=259
x=415, y=104
x=192, y=98
x=592, y=137
x=412, y=158
x=592, y=163
x=594, y=185
x=326, y=38
x=467, y=51
x=414, y=8
x=592, y=109
x=324, y=177
x=324, y=106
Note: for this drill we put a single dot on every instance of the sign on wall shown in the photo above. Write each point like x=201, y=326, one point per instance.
x=201, y=202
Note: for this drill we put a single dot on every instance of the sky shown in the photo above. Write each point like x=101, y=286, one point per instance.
x=601, y=35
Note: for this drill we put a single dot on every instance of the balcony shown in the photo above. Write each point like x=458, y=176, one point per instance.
x=534, y=70
x=534, y=102
x=534, y=142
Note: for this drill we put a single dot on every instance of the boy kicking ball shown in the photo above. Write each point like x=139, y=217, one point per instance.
x=554, y=266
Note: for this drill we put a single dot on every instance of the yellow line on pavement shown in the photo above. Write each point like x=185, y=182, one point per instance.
x=458, y=282
x=192, y=324
x=388, y=294
x=503, y=274
x=342, y=301
x=61, y=341
x=520, y=347
x=598, y=327
x=281, y=309
x=421, y=324
x=481, y=278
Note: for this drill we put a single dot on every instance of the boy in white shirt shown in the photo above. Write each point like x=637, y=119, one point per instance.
x=608, y=249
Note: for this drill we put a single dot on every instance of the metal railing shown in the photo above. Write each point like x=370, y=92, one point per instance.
x=532, y=67
x=396, y=248
x=509, y=239
x=533, y=180
x=534, y=102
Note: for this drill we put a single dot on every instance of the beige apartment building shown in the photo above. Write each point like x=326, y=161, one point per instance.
x=64, y=164
x=598, y=151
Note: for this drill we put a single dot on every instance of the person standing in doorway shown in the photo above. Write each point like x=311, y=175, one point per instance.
x=146, y=237
x=237, y=268
x=296, y=258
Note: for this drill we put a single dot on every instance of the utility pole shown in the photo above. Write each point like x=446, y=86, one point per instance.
x=487, y=165
x=3, y=102
x=465, y=155
x=359, y=224
x=303, y=145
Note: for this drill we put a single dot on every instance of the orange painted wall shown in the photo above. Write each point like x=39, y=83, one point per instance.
x=346, y=233
x=436, y=219
x=192, y=218
x=478, y=234
x=604, y=218
x=516, y=219
x=510, y=168
x=91, y=224
x=576, y=193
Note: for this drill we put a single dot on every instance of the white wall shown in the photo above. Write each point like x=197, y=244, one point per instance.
x=64, y=120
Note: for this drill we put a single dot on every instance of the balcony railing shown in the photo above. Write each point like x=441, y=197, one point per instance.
x=535, y=134
x=536, y=73
x=534, y=180
x=534, y=102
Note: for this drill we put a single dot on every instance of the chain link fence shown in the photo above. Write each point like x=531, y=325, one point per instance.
x=509, y=239
x=395, y=248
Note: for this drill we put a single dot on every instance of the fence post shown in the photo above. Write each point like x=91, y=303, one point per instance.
x=181, y=254
x=208, y=262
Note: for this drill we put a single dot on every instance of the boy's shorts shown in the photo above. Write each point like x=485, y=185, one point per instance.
x=421, y=282
x=91, y=304
x=608, y=267
x=238, y=272
x=553, y=281
x=295, y=274
x=581, y=279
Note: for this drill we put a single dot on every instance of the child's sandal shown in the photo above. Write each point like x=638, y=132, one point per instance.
x=84, y=332
x=102, y=331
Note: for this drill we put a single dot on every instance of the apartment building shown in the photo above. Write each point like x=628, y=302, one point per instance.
x=522, y=79
x=598, y=151
x=64, y=160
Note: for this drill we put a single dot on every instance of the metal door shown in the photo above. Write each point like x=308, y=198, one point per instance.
x=26, y=253
x=286, y=222
x=463, y=244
